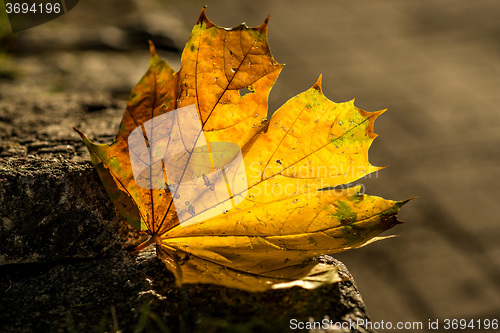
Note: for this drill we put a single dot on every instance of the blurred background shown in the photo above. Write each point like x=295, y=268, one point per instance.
x=434, y=63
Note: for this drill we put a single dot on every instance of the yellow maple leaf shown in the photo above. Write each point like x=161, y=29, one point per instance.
x=228, y=197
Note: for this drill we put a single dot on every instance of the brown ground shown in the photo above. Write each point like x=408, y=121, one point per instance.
x=434, y=63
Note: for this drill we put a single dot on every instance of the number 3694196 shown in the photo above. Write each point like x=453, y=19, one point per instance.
x=32, y=8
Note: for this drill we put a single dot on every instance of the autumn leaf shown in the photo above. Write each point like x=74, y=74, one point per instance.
x=227, y=197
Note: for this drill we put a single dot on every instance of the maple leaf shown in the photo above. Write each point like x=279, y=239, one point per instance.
x=228, y=197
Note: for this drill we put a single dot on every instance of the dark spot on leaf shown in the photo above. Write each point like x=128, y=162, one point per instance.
x=206, y=180
x=245, y=91
x=345, y=222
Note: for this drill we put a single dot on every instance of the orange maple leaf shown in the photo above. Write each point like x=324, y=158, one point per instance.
x=228, y=197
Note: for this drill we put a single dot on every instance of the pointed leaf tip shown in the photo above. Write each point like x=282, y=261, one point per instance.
x=204, y=19
x=85, y=140
x=381, y=111
x=80, y=133
x=317, y=85
x=152, y=49
x=404, y=202
x=263, y=27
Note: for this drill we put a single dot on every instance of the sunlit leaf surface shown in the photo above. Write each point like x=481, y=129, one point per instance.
x=228, y=197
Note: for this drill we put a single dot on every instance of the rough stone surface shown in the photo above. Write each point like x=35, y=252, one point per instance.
x=54, y=209
x=122, y=292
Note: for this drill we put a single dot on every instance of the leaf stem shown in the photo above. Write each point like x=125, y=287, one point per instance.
x=153, y=239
